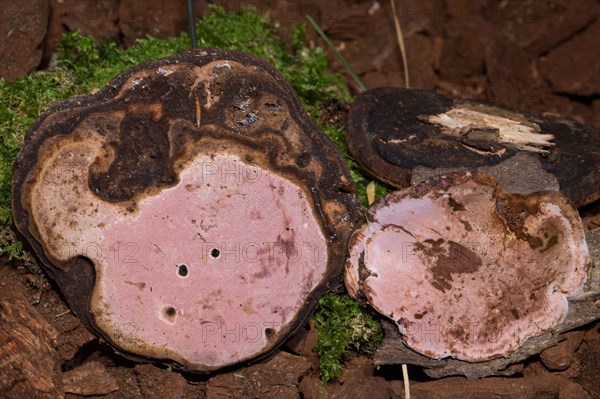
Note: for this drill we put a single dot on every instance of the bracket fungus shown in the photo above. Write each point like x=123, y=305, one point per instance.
x=465, y=269
x=393, y=131
x=189, y=211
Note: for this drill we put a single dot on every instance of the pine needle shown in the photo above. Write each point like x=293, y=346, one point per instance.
x=400, y=39
x=337, y=54
x=406, y=382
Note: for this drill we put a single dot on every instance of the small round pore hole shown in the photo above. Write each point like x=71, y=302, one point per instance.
x=182, y=270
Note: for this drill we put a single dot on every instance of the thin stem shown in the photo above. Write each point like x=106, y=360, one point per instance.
x=192, y=26
x=406, y=382
x=400, y=39
x=337, y=53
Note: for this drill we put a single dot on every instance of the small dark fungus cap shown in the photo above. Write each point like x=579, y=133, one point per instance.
x=393, y=131
x=189, y=211
x=466, y=270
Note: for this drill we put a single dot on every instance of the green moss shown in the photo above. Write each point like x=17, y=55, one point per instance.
x=343, y=325
x=247, y=31
x=20, y=105
x=91, y=64
x=9, y=245
x=338, y=136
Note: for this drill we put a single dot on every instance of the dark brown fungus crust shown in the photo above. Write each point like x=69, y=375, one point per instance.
x=466, y=270
x=189, y=211
x=393, y=131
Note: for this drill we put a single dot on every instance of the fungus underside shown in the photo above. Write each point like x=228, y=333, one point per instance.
x=84, y=65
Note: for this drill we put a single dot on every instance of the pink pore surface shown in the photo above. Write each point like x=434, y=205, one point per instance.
x=252, y=248
x=456, y=281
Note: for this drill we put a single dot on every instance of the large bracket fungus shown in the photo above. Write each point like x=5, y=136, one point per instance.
x=189, y=211
x=392, y=132
x=466, y=270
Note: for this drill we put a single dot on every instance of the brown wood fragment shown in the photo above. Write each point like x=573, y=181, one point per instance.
x=29, y=363
x=392, y=132
x=89, y=379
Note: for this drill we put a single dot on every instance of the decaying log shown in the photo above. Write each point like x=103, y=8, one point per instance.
x=392, y=132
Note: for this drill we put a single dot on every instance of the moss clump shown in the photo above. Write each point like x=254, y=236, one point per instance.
x=338, y=136
x=9, y=245
x=343, y=325
x=21, y=103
